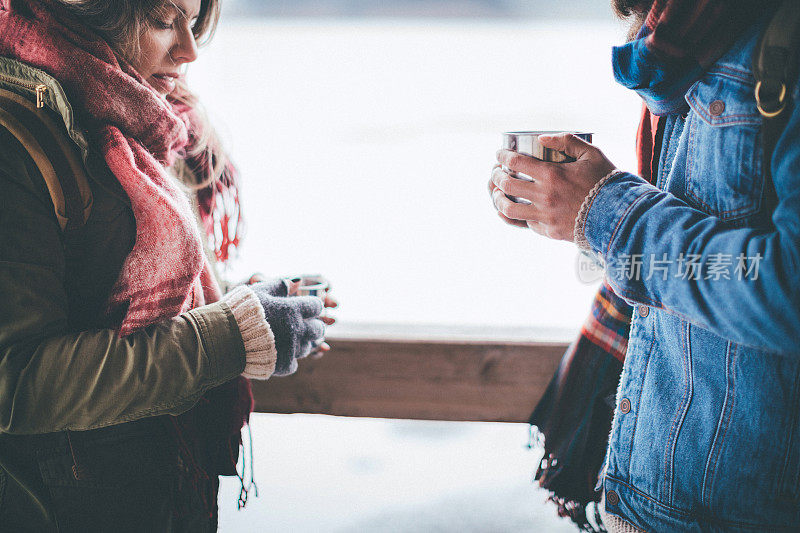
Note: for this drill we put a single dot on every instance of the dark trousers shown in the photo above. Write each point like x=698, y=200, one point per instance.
x=126, y=478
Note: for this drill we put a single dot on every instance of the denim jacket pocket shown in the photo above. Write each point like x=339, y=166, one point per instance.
x=724, y=176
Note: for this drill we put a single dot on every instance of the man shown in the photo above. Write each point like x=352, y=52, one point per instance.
x=705, y=433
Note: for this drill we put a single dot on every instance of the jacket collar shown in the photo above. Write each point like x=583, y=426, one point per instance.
x=663, y=81
x=45, y=90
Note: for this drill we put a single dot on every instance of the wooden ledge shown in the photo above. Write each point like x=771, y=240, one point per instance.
x=487, y=381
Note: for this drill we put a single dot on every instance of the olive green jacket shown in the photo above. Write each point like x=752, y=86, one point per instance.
x=61, y=364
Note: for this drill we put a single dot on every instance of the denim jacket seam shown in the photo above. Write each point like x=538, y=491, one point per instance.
x=680, y=417
x=665, y=146
x=727, y=412
x=730, y=71
x=729, y=120
x=591, y=200
x=787, y=455
x=731, y=212
x=657, y=304
x=678, y=513
x=579, y=229
x=635, y=296
x=669, y=509
x=624, y=216
x=639, y=399
x=744, y=210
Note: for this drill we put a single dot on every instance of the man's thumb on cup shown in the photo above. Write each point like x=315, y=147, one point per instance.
x=567, y=143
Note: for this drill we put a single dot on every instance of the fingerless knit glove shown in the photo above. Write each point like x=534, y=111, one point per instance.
x=294, y=322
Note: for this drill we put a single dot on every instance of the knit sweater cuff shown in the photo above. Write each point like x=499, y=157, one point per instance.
x=259, y=341
x=579, y=235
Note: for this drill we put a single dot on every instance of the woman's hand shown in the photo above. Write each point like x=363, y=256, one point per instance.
x=558, y=189
x=329, y=301
x=290, y=287
x=295, y=322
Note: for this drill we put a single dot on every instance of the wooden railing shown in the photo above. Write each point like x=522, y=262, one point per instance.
x=468, y=380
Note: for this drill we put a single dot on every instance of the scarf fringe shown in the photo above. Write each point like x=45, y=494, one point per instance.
x=251, y=485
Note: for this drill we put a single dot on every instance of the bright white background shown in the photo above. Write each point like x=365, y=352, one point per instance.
x=365, y=148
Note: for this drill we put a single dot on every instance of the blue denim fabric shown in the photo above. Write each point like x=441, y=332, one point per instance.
x=708, y=439
x=652, y=77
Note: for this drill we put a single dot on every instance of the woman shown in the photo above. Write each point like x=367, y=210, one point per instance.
x=122, y=367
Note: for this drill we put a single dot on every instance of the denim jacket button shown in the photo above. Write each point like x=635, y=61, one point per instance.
x=644, y=311
x=716, y=108
x=612, y=497
x=624, y=406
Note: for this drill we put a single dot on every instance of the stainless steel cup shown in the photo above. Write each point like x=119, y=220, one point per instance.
x=527, y=143
x=313, y=285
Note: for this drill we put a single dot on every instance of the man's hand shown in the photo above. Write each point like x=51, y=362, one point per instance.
x=558, y=189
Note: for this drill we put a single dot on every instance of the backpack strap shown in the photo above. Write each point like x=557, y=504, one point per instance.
x=54, y=154
x=775, y=68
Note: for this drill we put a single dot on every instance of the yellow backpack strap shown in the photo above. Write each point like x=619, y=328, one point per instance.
x=54, y=154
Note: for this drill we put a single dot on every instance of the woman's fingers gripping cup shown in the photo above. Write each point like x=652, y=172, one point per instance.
x=318, y=286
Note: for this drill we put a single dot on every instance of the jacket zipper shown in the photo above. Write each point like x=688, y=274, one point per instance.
x=39, y=88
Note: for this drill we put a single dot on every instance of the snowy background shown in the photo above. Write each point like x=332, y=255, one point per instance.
x=365, y=145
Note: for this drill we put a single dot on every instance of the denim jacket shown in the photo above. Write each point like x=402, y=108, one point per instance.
x=705, y=434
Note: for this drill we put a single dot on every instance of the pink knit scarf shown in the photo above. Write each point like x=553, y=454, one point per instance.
x=139, y=134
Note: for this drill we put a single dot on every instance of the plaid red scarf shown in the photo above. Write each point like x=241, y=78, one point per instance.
x=700, y=31
x=139, y=134
x=218, y=203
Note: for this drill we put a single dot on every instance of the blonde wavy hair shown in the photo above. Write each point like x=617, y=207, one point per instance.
x=121, y=23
